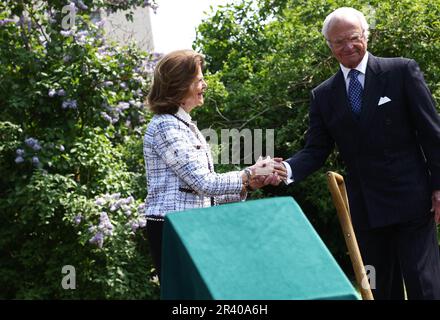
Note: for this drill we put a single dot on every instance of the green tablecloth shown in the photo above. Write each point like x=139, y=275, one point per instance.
x=262, y=249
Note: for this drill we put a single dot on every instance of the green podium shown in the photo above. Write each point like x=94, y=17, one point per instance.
x=254, y=250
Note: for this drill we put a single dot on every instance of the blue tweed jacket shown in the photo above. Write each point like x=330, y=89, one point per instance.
x=179, y=168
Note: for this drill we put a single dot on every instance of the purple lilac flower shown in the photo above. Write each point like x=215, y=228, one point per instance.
x=105, y=225
x=77, y=219
x=98, y=239
x=157, y=56
x=61, y=147
x=153, y=6
x=20, y=21
x=67, y=58
x=148, y=66
x=103, y=218
x=100, y=202
x=5, y=21
x=32, y=142
x=65, y=33
x=81, y=5
x=73, y=7
x=102, y=50
x=69, y=104
x=141, y=209
x=116, y=196
x=138, y=104
x=123, y=85
x=36, y=147
x=80, y=37
x=100, y=24
x=52, y=93
x=19, y=152
x=107, y=83
x=142, y=222
x=106, y=116
x=134, y=225
x=61, y=93
x=19, y=159
x=35, y=160
x=123, y=105
x=120, y=202
x=81, y=41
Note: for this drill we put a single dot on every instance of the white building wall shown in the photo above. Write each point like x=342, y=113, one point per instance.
x=118, y=28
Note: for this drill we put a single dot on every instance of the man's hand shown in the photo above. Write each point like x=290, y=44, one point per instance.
x=268, y=171
x=436, y=205
x=280, y=169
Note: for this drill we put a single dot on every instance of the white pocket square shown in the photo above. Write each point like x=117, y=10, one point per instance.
x=383, y=100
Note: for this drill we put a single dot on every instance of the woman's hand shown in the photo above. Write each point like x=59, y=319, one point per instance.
x=267, y=171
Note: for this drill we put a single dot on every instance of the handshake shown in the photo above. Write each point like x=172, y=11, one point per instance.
x=264, y=172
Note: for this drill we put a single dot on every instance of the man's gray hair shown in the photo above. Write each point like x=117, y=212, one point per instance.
x=341, y=14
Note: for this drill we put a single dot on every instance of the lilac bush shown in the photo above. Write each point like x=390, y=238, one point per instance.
x=71, y=167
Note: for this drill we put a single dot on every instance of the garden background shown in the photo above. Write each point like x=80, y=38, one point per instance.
x=72, y=179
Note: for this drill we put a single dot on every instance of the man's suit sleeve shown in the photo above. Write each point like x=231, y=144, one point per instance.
x=318, y=146
x=426, y=119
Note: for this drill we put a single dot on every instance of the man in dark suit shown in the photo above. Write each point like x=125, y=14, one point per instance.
x=382, y=117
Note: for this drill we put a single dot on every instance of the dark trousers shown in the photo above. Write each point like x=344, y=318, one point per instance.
x=405, y=253
x=154, y=235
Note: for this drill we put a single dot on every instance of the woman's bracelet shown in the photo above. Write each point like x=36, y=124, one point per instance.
x=248, y=173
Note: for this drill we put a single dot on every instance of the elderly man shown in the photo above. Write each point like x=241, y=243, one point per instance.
x=382, y=117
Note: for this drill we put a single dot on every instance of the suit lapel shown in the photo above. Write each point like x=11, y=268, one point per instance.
x=374, y=84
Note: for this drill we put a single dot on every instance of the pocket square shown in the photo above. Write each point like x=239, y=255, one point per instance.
x=383, y=100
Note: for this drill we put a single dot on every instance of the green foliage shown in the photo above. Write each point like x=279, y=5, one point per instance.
x=264, y=57
x=70, y=156
x=71, y=170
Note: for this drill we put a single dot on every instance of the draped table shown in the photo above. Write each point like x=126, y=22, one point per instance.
x=253, y=250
